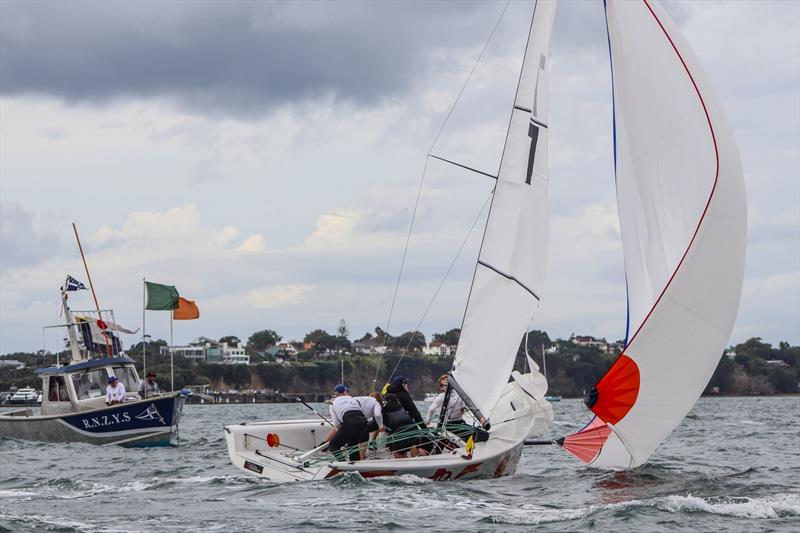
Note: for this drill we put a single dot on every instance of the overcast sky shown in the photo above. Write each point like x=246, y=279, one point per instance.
x=264, y=158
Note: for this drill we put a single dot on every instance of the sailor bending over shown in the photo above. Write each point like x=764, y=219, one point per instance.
x=372, y=407
x=349, y=424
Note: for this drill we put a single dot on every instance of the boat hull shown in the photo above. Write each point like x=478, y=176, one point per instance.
x=280, y=450
x=151, y=422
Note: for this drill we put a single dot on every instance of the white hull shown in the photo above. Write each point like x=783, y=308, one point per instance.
x=151, y=422
x=521, y=413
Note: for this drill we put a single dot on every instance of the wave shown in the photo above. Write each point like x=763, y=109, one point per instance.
x=771, y=507
x=778, y=506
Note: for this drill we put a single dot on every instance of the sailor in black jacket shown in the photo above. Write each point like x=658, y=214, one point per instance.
x=398, y=385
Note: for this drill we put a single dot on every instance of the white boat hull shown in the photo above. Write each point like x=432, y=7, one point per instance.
x=151, y=422
x=275, y=450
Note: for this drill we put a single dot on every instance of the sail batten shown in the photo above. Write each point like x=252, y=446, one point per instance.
x=510, y=271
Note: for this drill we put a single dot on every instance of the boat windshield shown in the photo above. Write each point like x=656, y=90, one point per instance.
x=127, y=376
x=90, y=383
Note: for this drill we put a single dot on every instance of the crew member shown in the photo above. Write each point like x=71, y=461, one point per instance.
x=372, y=407
x=398, y=386
x=349, y=423
x=115, y=391
x=455, y=408
x=402, y=431
x=149, y=386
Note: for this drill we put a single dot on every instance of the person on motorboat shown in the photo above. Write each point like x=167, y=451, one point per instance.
x=149, y=386
x=115, y=391
x=372, y=407
x=349, y=423
x=455, y=408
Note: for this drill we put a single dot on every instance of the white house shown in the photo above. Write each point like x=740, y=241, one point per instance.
x=439, y=348
x=205, y=350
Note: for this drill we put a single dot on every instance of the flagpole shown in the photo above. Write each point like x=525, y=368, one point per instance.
x=144, y=332
x=171, y=360
x=91, y=285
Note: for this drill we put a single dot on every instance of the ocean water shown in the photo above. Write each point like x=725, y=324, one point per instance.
x=732, y=465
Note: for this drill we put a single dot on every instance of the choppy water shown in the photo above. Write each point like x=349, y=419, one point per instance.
x=733, y=465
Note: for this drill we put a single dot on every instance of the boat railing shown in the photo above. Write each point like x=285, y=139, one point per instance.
x=442, y=442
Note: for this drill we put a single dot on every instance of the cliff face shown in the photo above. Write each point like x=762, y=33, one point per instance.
x=359, y=372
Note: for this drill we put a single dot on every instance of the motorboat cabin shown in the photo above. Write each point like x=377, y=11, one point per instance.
x=82, y=386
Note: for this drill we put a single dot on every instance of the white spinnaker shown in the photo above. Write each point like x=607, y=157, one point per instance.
x=682, y=209
x=512, y=261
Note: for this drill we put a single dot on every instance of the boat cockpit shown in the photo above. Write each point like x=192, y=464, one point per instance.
x=82, y=386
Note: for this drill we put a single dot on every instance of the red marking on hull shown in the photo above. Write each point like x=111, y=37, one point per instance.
x=441, y=474
x=501, y=468
x=468, y=469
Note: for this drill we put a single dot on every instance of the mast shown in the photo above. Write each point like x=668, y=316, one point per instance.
x=511, y=264
x=73, y=337
x=109, y=351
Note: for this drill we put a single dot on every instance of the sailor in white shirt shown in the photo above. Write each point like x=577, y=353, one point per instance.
x=373, y=412
x=349, y=423
x=115, y=391
x=455, y=407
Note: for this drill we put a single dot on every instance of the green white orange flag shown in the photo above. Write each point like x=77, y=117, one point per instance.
x=161, y=297
x=187, y=310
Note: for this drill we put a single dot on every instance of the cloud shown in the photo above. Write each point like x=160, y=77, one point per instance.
x=262, y=54
x=185, y=138
x=254, y=244
x=277, y=297
x=22, y=242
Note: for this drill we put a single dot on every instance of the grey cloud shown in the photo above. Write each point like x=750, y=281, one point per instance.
x=237, y=58
x=243, y=58
x=21, y=243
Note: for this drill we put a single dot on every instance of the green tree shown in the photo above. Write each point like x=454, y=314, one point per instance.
x=231, y=340
x=450, y=337
x=414, y=341
x=261, y=340
x=343, y=331
x=383, y=337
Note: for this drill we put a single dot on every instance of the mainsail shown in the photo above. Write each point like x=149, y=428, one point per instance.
x=682, y=213
x=511, y=264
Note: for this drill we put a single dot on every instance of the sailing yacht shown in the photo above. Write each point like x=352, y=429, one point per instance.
x=682, y=212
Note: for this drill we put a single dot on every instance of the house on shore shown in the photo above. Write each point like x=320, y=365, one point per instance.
x=205, y=350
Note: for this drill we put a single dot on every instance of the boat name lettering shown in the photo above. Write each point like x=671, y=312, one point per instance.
x=105, y=420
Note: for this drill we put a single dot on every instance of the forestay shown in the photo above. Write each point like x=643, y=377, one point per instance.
x=682, y=213
x=511, y=265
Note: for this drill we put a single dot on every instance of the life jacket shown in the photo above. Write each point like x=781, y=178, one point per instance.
x=396, y=419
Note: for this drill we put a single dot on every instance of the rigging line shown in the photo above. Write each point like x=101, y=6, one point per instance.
x=422, y=181
x=400, y=274
x=441, y=283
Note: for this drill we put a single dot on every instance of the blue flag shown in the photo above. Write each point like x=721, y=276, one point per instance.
x=73, y=284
